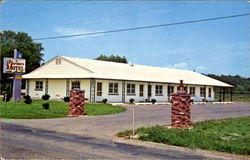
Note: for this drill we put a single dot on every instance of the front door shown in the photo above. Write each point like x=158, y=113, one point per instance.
x=141, y=93
x=99, y=92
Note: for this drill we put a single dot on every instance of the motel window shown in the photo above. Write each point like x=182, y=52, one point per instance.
x=192, y=90
x=158, y=90
x=209, y=92
x=170, y=90
x=75, y=85
x=39, y=85
x=113, y=88
x=130, y=88
x=141, y=90
x=185, y=88
x=99, y=89
x=202, y=92
x=149, y=90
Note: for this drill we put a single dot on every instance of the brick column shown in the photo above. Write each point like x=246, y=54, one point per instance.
x=76, y=105
x=181, y=116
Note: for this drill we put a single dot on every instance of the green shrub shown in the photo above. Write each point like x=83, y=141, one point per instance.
x=66, y=99
x=28, y=101
x=27, y=97
x=153, y=101
x=131, y=100
x=46, y=106
x=46, y=97
x=6, y=97
x=105, y=100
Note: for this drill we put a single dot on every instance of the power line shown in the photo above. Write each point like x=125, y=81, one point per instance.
x=98, y=21
x=45, y=10
x=144, y=27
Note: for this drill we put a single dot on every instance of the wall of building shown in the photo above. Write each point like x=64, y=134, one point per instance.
x=32, y=90
x=57, y=89
x=105, y=91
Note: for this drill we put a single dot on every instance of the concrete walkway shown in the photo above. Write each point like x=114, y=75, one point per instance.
x=107, y=126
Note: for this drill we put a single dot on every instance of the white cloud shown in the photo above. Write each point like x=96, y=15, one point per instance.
x=200, y=68
x=63, y=31
x=182, y=65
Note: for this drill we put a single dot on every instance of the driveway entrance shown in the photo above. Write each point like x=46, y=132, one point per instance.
x=107, y=126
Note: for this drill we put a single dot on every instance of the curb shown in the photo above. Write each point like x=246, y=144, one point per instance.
x=198, y=152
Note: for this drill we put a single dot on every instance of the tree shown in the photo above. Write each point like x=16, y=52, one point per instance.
x=242, y=85
x=112, y=58
x=32, y=52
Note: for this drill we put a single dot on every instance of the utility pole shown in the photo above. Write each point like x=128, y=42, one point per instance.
x=0, y=71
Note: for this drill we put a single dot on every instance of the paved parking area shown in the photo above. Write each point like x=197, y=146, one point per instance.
x=106, y=126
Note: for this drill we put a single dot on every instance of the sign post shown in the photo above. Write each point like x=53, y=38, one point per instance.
x=16, y=66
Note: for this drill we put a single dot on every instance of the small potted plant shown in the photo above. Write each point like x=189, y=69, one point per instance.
x=105, y=100
x=46, y=97
x=153, y=101
x=66, y=99
x=131, y=100
x=46, y=106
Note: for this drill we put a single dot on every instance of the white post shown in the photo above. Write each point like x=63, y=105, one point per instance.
x=5, y=100
x=133, y=121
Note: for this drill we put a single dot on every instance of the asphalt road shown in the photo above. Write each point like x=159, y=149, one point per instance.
x=19, y=142
x=105, y=127
x=90, y=137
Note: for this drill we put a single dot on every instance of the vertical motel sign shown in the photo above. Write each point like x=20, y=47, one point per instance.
x=15, y=66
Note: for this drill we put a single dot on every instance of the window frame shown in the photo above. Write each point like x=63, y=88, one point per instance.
x=39, y=86
x=158, y=90
x=209, y=92
x=192, y=90
x=76, y=83
x=149, y=90
x=202, y=91
x=131, y=90
x=99, y=90
x=170, y=90
x=113, y=88
x=141, y=90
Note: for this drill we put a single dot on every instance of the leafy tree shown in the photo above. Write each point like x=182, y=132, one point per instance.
x=21, y=41
x=112, y=58
x=242, y=85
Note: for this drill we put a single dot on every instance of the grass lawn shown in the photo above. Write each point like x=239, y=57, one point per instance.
x=228, y=135
x=57, y=109
x=236, y=98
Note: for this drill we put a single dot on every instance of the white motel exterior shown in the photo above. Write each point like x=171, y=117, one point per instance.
x=118, y=82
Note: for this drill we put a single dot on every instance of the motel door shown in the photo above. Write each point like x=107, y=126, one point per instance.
x=99, y=92
x=141, y=93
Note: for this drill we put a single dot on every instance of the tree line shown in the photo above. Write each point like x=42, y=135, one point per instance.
x=241, y=84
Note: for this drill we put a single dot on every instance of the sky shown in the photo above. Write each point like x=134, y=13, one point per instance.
x=214, y=47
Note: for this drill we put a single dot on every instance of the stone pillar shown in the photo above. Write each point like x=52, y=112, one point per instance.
x=67, y=87
x=92, y=90
x=46, y=86
x=28, y=86
x=76, y=105
x=123, y=91
x=181, y=115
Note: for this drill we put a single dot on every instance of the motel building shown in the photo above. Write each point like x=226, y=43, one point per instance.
x=118, y=82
